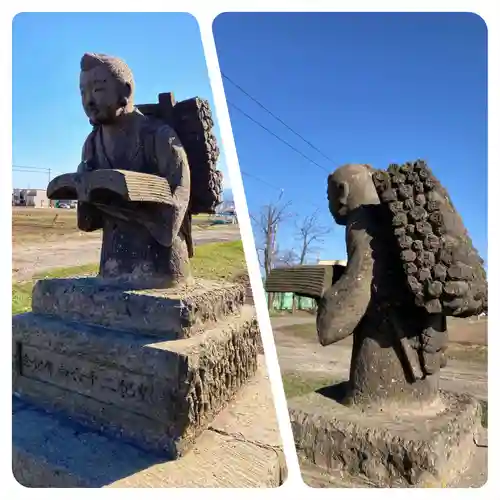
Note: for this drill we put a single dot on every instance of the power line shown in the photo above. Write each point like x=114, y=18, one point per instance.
x=252, y=176
x=32, y=171
x=277, y=137
x=309, y=143
x=35, y=170
x=45, y=169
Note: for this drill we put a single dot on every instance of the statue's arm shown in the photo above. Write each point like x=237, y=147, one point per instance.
x=174, y=166
x=86, y=154
x=343, y=305
x=89, y=217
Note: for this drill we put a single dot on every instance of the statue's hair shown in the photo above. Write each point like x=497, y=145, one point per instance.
x=116, y=66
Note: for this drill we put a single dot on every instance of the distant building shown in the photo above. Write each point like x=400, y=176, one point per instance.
x=35, y=198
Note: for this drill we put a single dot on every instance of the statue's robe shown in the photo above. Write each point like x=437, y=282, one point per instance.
x=157, y=238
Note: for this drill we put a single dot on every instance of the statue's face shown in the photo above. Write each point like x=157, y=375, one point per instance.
x=337, y=201
x=100, y=93
x=349, y=188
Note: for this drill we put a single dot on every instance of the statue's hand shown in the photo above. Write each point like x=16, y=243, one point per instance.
x=329, y=324
x=433, y=343
x=320, y=307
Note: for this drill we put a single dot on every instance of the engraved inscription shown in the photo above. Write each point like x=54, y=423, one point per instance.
x=97, y=381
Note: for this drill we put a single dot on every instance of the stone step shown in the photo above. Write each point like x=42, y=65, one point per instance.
x=172, y=313
x=241, y=449
x=157, y=394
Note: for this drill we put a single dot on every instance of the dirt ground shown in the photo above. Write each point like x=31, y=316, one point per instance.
x=44, y=239
x=306, y=366
x=463, y=331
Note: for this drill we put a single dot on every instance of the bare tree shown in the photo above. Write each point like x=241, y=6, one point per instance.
x=287, y=258
x=309, y=235
x=267, y=223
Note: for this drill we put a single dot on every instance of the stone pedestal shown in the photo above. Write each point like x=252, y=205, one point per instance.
x=241, y=449
x=424, y=446
x=151, y=367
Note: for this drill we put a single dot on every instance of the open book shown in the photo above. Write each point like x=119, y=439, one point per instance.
x=307, y=280
x=108, y=186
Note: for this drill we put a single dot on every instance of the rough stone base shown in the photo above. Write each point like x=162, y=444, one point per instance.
x=156, y=394
x=423, y=447
x=241, y=449
x=171, y=313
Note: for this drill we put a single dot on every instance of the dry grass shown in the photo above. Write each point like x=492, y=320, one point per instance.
x=38, y=225
x=31, y=225
x=305, y=332
x=469, y=353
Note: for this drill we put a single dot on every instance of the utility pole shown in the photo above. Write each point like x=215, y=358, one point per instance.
x=51, y=203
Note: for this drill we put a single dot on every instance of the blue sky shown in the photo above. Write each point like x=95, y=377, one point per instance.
x=164, y=51
x=368, y=88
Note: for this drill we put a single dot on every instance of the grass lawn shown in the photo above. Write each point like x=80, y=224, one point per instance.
x=216, y=261
x=297, y=383
x=219, y=261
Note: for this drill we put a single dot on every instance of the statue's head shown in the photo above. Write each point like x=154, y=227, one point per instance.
x=107, y=88
x=350, y=187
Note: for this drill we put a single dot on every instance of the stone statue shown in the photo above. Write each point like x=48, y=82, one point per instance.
x=142, y=242
x=163, y=157
x=410, y=265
